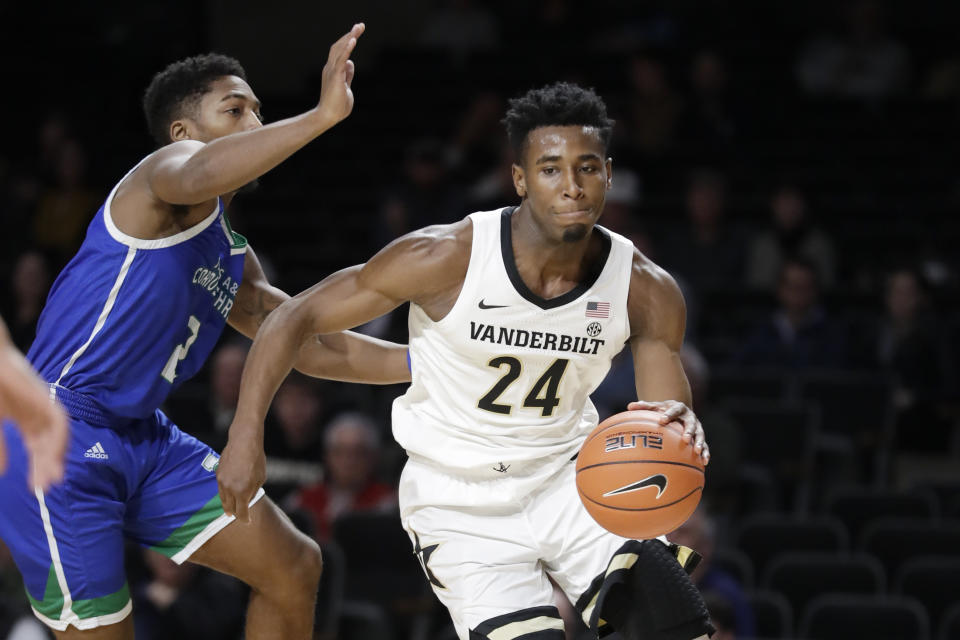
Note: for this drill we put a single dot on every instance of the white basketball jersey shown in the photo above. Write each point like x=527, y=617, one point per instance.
x=501, y=385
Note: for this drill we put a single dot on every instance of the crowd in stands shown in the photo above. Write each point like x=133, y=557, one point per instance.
x=794, y=173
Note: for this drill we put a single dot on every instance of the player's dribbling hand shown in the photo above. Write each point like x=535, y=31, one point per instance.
x=336, y=95
x=674, y=410
x=240, y=474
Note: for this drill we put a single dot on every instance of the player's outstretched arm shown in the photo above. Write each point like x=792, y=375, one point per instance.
x=25, y=399
x=189, y=172
x=657, y=323
x=418, y=267
x=346, y=356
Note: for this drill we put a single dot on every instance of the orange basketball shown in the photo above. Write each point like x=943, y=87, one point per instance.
x=638, y=478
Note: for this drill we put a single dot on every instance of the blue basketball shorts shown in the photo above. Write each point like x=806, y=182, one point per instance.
x=145, y=481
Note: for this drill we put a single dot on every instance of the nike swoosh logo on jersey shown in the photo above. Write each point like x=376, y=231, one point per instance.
x=484, y=305
x=659, y=481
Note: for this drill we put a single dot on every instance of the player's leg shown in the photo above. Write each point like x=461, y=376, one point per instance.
x=281, y=565
x=481, y=563
x=177, y=511
x=640, y=588
x=67, y=542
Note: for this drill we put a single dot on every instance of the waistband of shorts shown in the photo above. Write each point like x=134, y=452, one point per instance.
x=85, y=408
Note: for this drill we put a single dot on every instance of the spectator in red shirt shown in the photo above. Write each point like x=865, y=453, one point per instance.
x=351, y=453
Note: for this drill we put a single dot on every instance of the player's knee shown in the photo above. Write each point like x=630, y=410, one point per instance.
x=297, y=570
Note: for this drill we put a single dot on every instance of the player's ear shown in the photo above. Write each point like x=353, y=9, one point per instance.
x=179, y=131
x=519, y=181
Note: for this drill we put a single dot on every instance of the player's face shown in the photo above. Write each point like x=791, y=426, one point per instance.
x=563, y=178
x=230, y=106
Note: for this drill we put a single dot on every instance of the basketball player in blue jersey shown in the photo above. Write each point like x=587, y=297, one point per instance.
x=134, y=314
x=25, y=401
x=515, y=316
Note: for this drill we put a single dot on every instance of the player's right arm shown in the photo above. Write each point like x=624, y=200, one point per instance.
x=190, y=172
x=25, y=399
x=425, y=267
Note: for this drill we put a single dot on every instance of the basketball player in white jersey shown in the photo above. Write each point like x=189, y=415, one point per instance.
x=515, y=315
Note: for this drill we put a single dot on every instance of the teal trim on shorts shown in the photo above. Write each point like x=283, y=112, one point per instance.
x=185, y=533
x=52, y=604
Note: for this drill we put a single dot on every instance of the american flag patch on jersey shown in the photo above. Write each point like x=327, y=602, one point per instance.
x=598, y=310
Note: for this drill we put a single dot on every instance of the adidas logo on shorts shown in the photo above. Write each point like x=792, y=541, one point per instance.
x=96, y=451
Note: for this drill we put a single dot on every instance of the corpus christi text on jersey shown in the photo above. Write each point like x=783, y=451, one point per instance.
x=533, y=339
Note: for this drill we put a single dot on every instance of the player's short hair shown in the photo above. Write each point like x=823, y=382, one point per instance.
x=177, y=90
x=555, y=105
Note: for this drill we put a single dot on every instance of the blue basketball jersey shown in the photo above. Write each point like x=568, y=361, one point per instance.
x=128, y=320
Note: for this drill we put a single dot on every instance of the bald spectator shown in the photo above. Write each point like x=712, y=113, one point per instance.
x=351, y=452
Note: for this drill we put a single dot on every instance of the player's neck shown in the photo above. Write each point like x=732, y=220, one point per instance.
x=545, y=263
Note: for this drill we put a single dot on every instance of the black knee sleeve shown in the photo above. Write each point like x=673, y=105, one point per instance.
x=650, y=598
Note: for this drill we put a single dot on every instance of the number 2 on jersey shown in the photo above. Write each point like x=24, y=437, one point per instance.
x=170, y=371
x=542, y=395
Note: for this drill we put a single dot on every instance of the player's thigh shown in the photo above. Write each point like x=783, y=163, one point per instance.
x=485, y=570
x=67, y=542
x=268, y=553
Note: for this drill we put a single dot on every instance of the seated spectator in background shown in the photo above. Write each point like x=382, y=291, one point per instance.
x=17, y=621
x=65, y=208
x=208, y=412
x=710, y=122
x=652, y=107
x=350, y=484
x=799, y=334
x=706, y=252
x=424, y=195
x=460, y=27
x=862, y=62
x=186, y=602
x=699, y=532
x=29, y=284
x=912, y=344
x=791, y=232
x=293, y=437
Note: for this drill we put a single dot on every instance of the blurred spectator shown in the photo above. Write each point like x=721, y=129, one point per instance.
x=652, y=107
x=699, y=533
x=862, y=62
x=208, y=411
x=292, y=440
x=913, y=345
x=17, y=621
x=424, y=196
x=799, y=334
x=460, y=27
x=622, y=200
x=351, y=454
x=186, y=602
x=710, y=121
x=478, y=141
x=29, y=284
x=723, y=433
x=494, y=188
x=722, y=616
x=705, y=251
x=65, y=208
x=791, y=233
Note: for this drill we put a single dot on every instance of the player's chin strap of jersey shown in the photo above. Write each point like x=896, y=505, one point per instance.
x=646, y=594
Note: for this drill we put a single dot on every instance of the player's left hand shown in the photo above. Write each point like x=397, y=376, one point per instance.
x=674, y=410
x=240, y=474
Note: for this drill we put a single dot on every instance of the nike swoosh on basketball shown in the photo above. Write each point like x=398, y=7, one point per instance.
x=659, y=481
x=484, y=305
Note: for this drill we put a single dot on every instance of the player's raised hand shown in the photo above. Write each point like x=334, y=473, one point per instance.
x=240, y=474
x=674, y=410
x=336, y=94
